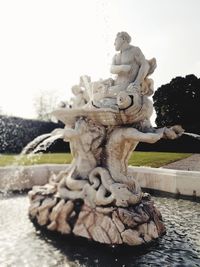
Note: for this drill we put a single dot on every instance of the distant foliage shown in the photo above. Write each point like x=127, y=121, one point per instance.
x=178, y=102
x=44, y=104
x=16, y=133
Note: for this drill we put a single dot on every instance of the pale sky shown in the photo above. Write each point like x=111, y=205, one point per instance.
x=45, y=45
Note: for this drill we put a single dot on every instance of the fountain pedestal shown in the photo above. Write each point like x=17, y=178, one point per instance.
x=96, y=197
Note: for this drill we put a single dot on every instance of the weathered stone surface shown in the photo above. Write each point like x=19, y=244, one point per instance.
x=131, y=237
x=120, y=226
x=97, y=226
x=143, y=232
x=47, y=203
x=111, y=225
x=143, y=216
x=52, y=226
x=105, y=210
x=59, y=216
x=34, y=208
x=111, y=229
x=127, y=217
x=142, y=229
x=35, y=197
x=81, y=230
x=89, y=220
x=134, y=225
x=43, y=216
x=56, y=210
x=99, y=234
x=43, y=210
x=152, y=230
x=114, y=234
x=159, y=224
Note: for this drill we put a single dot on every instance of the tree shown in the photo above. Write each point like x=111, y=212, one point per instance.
x=44, y=104
x=178, y=102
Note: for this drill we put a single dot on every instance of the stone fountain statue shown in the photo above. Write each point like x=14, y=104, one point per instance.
x=96, y=197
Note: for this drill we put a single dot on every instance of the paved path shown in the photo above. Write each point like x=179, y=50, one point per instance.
x=191, y=163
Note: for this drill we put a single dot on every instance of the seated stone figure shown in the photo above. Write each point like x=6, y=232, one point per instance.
x=78, y=100
x=131, y=70
x=81, y=92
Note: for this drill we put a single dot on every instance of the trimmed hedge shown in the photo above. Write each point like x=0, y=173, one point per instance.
x=16, y=133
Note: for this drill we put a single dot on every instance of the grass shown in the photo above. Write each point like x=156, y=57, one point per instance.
x=155, y=159
x=151, y=159
x=31, y=159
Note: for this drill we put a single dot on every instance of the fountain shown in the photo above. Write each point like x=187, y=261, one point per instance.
x=96, y=197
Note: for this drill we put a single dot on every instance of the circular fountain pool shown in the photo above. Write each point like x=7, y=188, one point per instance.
x=21, y=245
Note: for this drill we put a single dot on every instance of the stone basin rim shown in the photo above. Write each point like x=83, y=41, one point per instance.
x=142, y=173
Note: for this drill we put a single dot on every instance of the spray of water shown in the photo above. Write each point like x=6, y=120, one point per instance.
x=42, y=142
x=33, y=144
x=196, y=136
x=16, y=174
x=46, y=143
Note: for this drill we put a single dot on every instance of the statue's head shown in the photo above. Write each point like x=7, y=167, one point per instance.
x=121, y=38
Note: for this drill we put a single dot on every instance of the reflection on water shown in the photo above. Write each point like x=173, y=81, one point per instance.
x=21, y=245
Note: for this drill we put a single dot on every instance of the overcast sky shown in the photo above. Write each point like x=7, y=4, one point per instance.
x=45, y=45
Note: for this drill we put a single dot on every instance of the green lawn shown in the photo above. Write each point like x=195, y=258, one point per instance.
x=152, y=159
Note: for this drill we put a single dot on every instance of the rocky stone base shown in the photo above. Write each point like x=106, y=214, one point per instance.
x=135, y=225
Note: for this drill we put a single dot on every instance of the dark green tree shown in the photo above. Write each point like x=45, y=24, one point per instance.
x=178, y=102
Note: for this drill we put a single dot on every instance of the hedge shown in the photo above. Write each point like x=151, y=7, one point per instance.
x=16, y=133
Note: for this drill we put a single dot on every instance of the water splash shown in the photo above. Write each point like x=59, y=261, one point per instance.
x=42, y=142
x=17, y=176
x=46, y=143
x=196, y=136
x=33, y=144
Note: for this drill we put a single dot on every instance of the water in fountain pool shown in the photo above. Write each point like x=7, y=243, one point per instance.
x=21, y=245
